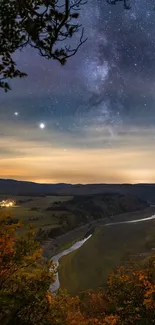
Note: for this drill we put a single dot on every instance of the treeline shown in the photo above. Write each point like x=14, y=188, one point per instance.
x=84, y=209
x=25, y=298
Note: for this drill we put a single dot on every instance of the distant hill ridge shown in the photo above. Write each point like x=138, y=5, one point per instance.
x=14, y=187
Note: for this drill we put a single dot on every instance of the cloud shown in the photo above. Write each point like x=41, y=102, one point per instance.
x=53, y=157
x=16, y=137
x=81, y=166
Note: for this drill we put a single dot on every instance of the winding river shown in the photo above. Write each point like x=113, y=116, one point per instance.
x=55, y=286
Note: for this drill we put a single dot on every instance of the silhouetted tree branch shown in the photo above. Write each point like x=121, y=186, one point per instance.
x=126, y=3
x=45, y=25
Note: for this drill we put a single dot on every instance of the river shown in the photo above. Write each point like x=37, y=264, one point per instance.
x=55, y=286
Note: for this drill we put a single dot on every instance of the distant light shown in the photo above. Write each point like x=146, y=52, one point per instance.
x=7, y=203
x=42, y=125
x=16, y=113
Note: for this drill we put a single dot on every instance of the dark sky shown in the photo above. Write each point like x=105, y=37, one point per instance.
x=98, y=111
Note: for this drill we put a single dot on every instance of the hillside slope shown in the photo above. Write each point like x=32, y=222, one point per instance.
x=81, y=210
x=88, y=267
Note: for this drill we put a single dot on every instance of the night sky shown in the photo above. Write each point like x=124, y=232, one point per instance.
x=93, y=120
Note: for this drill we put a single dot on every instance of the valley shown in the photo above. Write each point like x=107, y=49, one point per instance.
x=62, y=221
x=59, y=221
x=109, y=247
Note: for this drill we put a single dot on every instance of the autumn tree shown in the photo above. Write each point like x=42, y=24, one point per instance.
x=24, y=277
x=44, y=25
x=131, y=292
x=25, y=298
x=128, y=298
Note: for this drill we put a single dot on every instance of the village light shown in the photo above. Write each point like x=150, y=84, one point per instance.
x=7, y=203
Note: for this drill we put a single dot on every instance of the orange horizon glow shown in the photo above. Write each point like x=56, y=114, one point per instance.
x=130, y=159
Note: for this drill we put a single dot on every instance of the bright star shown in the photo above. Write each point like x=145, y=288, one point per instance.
x=16, y=113
x=42, y=125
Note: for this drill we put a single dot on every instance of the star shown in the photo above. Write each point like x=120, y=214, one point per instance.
x=16, y=113
x=42, y=125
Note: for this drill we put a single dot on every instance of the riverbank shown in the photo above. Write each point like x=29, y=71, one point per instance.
x=55, y=246
x=110, y=246
x=52, y=247
x=55, y=259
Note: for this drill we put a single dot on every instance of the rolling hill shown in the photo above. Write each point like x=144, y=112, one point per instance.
x=13, y=187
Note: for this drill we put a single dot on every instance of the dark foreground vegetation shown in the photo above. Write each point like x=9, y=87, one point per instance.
x=25, y=299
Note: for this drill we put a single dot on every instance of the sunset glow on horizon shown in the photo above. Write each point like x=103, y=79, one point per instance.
x=91, y=120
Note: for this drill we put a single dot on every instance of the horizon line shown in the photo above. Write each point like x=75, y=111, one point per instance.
x=74, y=184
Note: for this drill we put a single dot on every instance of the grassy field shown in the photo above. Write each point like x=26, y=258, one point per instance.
x=41, y=202
x=108, y=248
x=60, y=216
x=66, y=212
x=34, y=210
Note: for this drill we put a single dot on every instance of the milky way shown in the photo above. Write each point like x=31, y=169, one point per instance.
x=101, y=96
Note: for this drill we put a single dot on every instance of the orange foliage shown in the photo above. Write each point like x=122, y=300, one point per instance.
x=24, y=277
x=129, y=298
x=111, y=320
x=6, y=252
x=25, y=299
